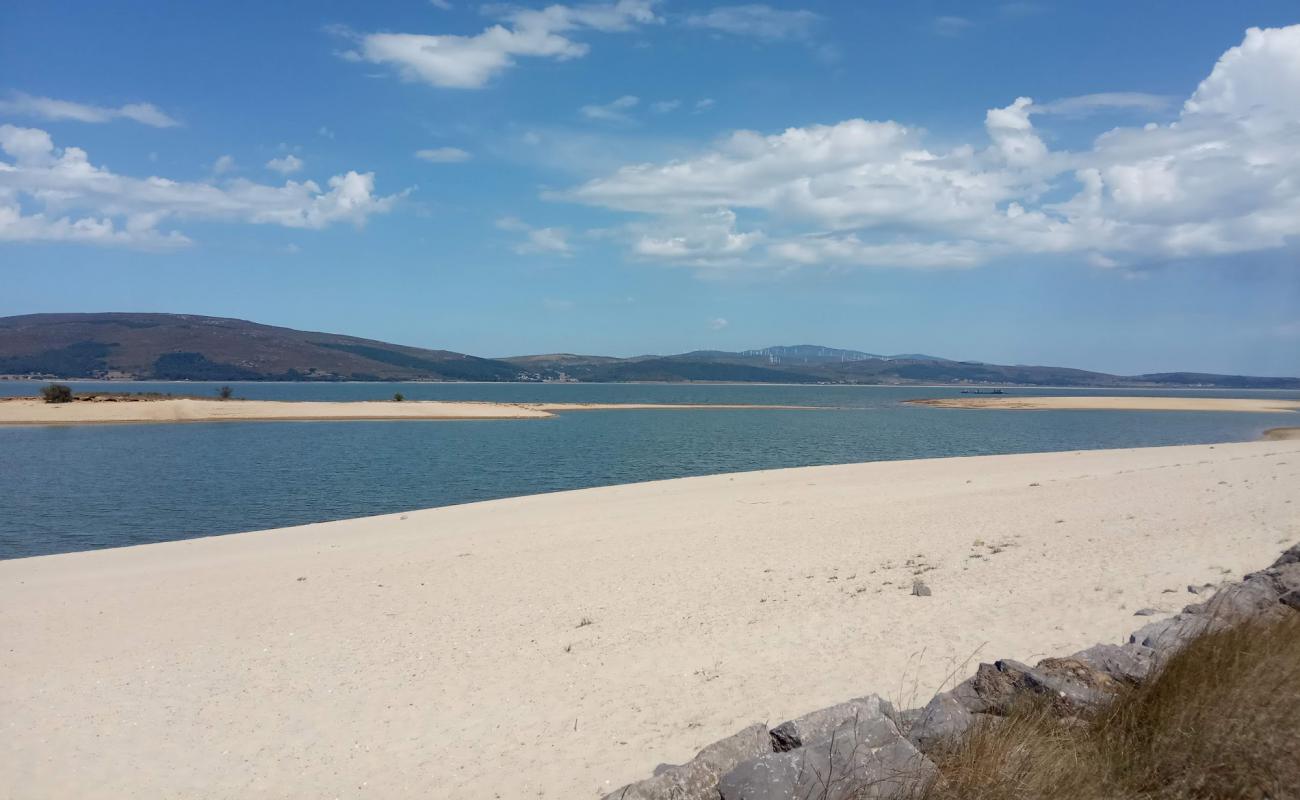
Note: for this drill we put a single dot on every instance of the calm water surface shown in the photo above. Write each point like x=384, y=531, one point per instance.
x=81, y=488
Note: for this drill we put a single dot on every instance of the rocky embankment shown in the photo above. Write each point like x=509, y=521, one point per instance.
x=867, y=748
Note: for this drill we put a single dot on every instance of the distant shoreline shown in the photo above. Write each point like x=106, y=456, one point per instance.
x=1136, y=387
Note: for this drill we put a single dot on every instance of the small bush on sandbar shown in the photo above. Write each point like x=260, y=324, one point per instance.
x=56, y=393
x=225, y=392
x=398, y=397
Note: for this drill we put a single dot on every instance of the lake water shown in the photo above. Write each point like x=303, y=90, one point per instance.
x=81, y=488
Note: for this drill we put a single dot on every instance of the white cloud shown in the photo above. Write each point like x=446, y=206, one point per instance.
x=1086, y=104
x=718, y=323
x=704, y=104
x=285, y=166
x=58, y=110
x=665, y=106
x=325, y=132
x=951, y=25
x=469, y=62
x=443, y=155
x=1224, y=177
x=441, y=4
x=223, y=164
x=613, y=111
x=83, y=202
x=554, y=241
x=757, y=21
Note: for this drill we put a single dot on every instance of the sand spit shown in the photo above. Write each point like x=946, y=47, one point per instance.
x=24, y=411
x=1252, y=404
x=561, y=645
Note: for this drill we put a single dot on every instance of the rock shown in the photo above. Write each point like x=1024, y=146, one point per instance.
x=1071, y=685
x=697, y=779
x=919, y=589
x=1160, y=634
x=1128, y=663
x=1291, y=599
x=1202, y=589
x=863, y=758
x=819, y=725
x=1146, y=612
x=942, y=719
x=1291, y=556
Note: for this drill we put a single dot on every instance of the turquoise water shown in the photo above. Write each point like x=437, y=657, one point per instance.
x=81, y=488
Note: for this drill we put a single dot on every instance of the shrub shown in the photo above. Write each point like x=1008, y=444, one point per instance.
x=225, y=392
x=398, y=397
x=56, y=393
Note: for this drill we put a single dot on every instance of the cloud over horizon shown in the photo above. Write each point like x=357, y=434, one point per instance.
x=1222, y=178
x=81, y=202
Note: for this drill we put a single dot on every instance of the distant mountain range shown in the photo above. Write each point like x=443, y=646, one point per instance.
x=190, y=347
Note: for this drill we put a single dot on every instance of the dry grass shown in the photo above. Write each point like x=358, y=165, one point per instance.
x=1221, y=720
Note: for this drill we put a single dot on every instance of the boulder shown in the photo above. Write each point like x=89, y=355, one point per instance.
x=1291, y=600
x=1291, y=556
x=943, y=718
x=819, y=725
x=697, y=779
x=1071, y=685
x=1128, y=663
x=863, y=758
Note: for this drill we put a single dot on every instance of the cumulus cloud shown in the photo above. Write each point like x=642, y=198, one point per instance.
x=613, y=111
x=470, y=62
x=285, y=165
x=757, y=21
x=443, y=155
x=665, y=106
x=80, y=201
x=49, y=108
x=1221, y=178
x=553, y=241
x=718, y=323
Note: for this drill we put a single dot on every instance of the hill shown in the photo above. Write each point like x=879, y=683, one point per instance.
x=191, y=347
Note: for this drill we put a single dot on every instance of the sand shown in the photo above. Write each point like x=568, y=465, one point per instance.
x=442, y=654
x=25, y=411
x=1251, y=404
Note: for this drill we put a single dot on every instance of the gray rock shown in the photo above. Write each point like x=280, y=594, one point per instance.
x=862, y=759
x=819, y=725
x=697, y=779
x=1072, y=685
x=1202, y=589
x=919, y=589
x=1291, y=556
x=943, y=718
x=1240, y=601
x=1128, y=663
x=1291, y=599
x=1146, y=612
x=1169, y=634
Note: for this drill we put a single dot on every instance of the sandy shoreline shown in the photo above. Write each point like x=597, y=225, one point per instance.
x=1238, y=404
x=24, y=411
x=439, y=653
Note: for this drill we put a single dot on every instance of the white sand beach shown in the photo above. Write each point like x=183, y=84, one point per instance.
x=24, y=411
x=445, y=653
x=1262, y=405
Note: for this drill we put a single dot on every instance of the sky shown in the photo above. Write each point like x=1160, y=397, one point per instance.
x=1104, y=185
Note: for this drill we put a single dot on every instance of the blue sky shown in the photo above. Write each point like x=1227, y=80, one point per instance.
x=637, y=176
